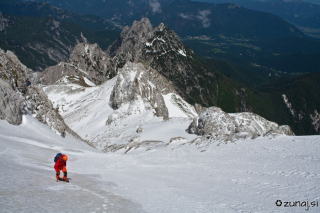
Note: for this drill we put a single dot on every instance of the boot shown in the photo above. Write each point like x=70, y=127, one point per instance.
x=58, y=176
x=65, y=174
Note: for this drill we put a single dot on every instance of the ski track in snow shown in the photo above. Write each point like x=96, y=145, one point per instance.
x=245, y=176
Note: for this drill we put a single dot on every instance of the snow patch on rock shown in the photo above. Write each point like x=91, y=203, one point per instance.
x=177, y=107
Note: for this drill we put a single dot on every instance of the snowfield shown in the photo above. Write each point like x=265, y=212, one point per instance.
x=87, y=111
x=245, y=176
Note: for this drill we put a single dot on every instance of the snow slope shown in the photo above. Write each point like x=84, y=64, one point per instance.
x=164, y=169
x=139, y=108
x=87, y=110
x=246, y=176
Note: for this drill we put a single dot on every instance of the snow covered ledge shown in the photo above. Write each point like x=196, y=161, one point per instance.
x=215, y=124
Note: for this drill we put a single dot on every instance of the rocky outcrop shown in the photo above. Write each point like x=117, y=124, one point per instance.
x=3, y=22
x=140, y=129
x=199, y=109
x=296, y=115
x=21, y=95
x=11, y=105
x=218, y=125
x=86, y=60
x=137, y=80
x=315, y=117
x=15, y=80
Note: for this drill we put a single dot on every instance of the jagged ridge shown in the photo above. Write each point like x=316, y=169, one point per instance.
x=22, y=95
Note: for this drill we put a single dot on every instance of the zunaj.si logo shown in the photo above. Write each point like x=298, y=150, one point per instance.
x=278, y=202
x=304, y=204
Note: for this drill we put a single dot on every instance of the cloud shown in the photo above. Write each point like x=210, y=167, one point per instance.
x=185, y=16
x=203, y=17
x=155, y=6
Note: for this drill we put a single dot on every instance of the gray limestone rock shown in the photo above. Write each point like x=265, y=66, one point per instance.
x=140, y=129
x=11, y=104
x=137, y=80
x=132, y=40
x=21, y=95
x=86, y=60
x=199, y=109
x=315, y=117
x=219, y=125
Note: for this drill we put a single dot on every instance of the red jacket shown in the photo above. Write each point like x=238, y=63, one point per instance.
x=59, y=164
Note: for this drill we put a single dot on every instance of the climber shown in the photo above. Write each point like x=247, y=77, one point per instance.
x=61, y=163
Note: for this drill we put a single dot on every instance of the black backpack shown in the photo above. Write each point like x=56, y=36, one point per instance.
x=56, y=157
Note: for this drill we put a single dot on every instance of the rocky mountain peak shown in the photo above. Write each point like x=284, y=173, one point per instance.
x=131, y=40
x=164, y=42
x=142, y=27
x=86, y=60
x=138, y=38
x=161, y=27
x=22, y=95
x=160, y=48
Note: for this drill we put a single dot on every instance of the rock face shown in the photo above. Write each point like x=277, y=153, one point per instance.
x=216, y=124
x=11, y=104
x=140, y=81
x=86, y=60
x=315, y=117
x=132, y=40
x=20, y=95
x=15, y=79
x=141, y=42
x=160, y=48
x=199, y=109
